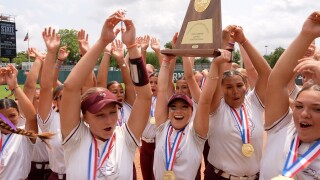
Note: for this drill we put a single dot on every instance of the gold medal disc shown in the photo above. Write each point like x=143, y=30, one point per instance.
x=201, y=5
x=280, y=177
x=247, y=150
x=152, y=120
x=169, y=175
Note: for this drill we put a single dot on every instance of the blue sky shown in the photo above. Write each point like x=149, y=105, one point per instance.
x=271, y=23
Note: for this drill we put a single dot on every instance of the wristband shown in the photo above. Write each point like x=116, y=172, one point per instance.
x=244, y=42
x=138, y=72
x=131, y=46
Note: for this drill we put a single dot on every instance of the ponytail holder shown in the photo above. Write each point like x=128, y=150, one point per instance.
x=8, y=122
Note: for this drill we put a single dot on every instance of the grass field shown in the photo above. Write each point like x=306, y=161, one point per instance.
x=4, y=93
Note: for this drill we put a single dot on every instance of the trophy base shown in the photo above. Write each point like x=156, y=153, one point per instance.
x=191, y=52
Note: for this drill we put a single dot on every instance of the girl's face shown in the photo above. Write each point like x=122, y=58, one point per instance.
x=182, y=88
x=306, y=115
x=103, y=123
x=154, y=83
x=57, y=100
x=12, y=114
x=179, y=114
x=234, y=90
x=118, y=91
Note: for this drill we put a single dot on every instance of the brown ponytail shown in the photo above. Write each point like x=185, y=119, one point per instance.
x=43, y=136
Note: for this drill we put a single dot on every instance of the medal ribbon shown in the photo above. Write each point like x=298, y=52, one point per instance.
x=172, y=151
x=93, y=163
x=153, y=106
x=4, y=144
x=121, y=119
x=243, y=123
x=294, y=164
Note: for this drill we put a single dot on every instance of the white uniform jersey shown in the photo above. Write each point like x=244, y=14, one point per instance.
x=119, y=164
x=56, y=155
x=280, y=136
x=150, y=130
x=225, y=139
x=15, y=160
x=124, y=112
x=188, y=157
x=40, y=153
x=294, y=92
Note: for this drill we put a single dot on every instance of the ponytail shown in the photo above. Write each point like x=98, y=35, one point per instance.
x=43, y=136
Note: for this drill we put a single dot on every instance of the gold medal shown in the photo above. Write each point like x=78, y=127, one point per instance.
x=280, y=177
x=152, y=120
x=247, y=150
x=169, y=175
x=201, y=5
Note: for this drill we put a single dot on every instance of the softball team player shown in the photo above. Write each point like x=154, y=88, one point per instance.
x=106, y=150
x=237, y=122
x=48, y=119
x=149, y=134
x=293, y=144
x=179, y=140
x=16, y=144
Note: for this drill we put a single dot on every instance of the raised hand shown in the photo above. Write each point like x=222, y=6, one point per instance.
x=109, y=32
x=11, y=76
x=311, y=27
x=117, y=49
x=174, y=40
x=31, y=53
x=145, y=42
x=309, y=68
x=63, y=53
x=224, y=57
x=155, y=44
x=83, y=42
x=139, y=41
x=237, y=34
x=51, y=39
x=129, y=33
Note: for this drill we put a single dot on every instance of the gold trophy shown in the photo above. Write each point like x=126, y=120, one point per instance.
x=201, y=31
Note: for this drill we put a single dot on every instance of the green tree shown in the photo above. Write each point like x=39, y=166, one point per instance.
x=274, y=56
x=69, y=38
x=236, y=56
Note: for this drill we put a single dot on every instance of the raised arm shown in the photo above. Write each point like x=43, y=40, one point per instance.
x=24, y=103
x=191, y=80
x=62, y=57
x=83, y=48
x=31, y=81
x=144, y=46
x=52, y=41
x=70, y=102
x=161, y=111
x=118, y=53
x=138, y=119
x=251, y=71
x=277, y=103
x=260, y=64
x=201, y=122
x=102, y=77
x=155, y=45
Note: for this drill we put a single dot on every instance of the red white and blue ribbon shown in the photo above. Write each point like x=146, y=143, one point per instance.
x=172, y=151
x=153, y=106
x=121, y=119
x=295, y=164
x=3, y=145
x=96, y=161
x=243, y=123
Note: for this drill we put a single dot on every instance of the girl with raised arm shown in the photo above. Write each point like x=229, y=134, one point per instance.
x=293, y=145
x=179, y=139
x=106, y=151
